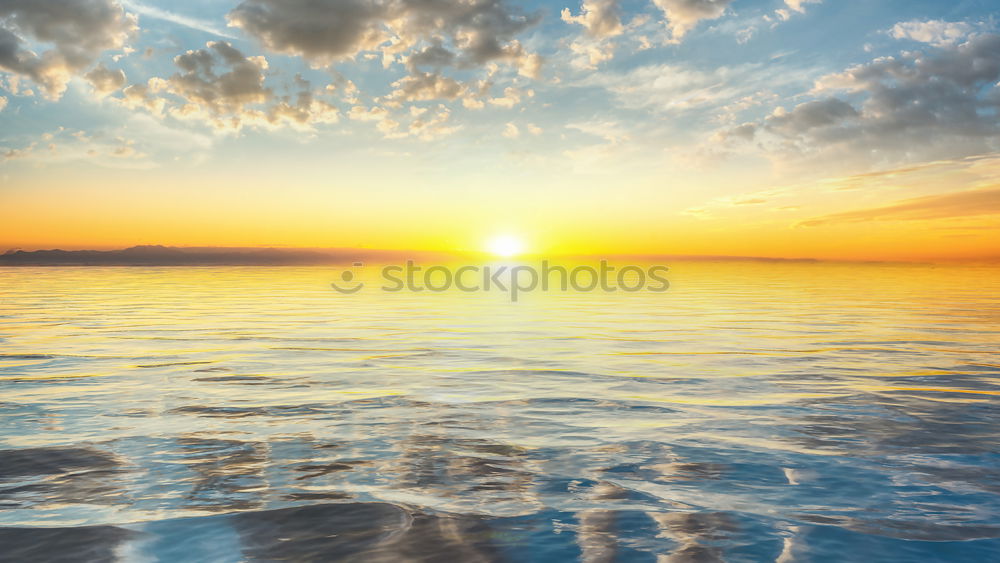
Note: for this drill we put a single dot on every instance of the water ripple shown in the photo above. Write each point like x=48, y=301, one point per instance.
x=756, y=412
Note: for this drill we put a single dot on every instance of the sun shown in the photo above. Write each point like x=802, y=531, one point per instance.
x=506, y=246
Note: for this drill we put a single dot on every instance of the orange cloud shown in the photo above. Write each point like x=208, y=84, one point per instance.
x=967, y=203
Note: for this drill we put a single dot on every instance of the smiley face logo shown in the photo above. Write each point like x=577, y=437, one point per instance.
x=347, y=279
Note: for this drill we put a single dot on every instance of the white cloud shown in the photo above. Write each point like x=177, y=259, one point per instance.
x=423, y=86
x=610, y=131
x=601, y=18
x=179, y=19
x=436, y=126
x=799, y=5
x=511, y=97
x=935, y=32
x=63, y=145
x=673, y=87
x=590, y=53
x=139, y=141
x=684, y=15
x=145, y=96
x=105, y=80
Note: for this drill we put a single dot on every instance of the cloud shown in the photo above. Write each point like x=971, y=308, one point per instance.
x=78, y=31
x=105, y=80
x=810, y=116
x=611, y=132
x=967, y=203
x=322, y=32
x=129, y=140
x=967, y=173
x=179, y=19
x=470, y=32
x=511, y=131
x=511, y=97
x=785, y=14
x=427, y=36
x=145, y=96
x=942, y=104
x=935, y=32
x=530, y=65
x=673, y=87
x=591, y=53
x=63, y=145
x=799, y=5
x=229, y=90
x=423, y=86
x=602, y=157
x=435, y=126
x=427, y=86
x=221, y=85
x=3, y=103
x=601, y=18
x=219, y=95
x=684, y=15
x=303, y=110
x=602, y=23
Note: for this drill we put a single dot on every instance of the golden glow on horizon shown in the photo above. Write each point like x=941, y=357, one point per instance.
x=85, y=209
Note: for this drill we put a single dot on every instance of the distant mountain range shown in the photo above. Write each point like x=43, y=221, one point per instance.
x=156, y=255
x=173, y=256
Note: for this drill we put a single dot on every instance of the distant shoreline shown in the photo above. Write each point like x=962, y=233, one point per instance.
x=175, y=256
x=156, y=256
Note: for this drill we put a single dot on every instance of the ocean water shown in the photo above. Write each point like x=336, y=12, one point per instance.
x=755, y=412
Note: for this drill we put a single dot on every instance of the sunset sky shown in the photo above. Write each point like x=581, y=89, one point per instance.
x=785, y=128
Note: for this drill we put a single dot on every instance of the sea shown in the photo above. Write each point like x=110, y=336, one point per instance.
x=755, y=411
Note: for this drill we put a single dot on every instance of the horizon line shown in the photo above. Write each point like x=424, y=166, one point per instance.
x=353, y=253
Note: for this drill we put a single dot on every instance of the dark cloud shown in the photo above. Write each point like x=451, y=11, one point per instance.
x=78, y=31
x=221, y=85
x=220, y=79
x=811, y=116
x=940, y=104
x=325, y=31
x=427, y=35
x=319, y=31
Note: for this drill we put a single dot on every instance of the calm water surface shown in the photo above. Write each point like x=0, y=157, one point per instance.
x=756, y=412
